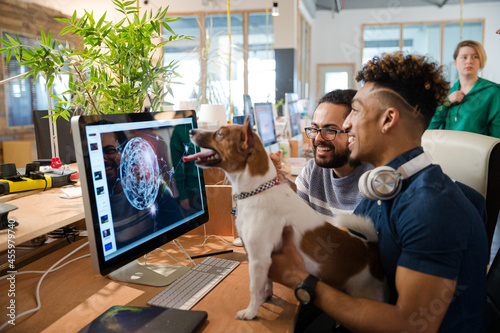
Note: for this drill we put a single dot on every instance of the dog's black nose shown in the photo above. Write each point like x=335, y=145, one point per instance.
x=191, y=132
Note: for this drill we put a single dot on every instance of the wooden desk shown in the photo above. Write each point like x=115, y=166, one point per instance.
x=40, y=212
x=73, y=296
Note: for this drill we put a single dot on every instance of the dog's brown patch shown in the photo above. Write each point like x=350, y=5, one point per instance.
x=258, y=160
x=374, y=261
x=340, y=255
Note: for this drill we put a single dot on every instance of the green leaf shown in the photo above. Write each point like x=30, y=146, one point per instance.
x=42, y=33
x=6, y=43
x=8, y=55
x=64, y=20
x=101, y=20
x=55, y=97
x=50, y=81
x=65, y=30
x=12, y=40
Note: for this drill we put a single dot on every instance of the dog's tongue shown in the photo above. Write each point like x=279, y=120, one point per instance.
x=203, y=154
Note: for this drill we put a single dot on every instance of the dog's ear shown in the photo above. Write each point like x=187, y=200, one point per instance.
x=248, y=140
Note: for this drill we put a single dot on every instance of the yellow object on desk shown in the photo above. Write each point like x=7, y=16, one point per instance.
x=24, y=184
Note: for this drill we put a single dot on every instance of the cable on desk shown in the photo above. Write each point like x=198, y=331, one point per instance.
x=38, y=302
x=65, y=232
x=42, y=272
x=205, y=237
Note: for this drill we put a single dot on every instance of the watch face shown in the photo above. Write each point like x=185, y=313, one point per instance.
x=303, y=296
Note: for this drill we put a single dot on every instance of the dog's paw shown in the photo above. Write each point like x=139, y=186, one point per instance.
x=247, y=314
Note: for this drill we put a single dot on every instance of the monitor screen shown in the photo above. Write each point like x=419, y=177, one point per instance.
x=265, y=123
x=240, y=120
x=131, y=173
x=42, y=136
x=293, y=115
x=247, y=105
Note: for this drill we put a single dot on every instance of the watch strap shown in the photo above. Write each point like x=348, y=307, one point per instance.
x=308, y=285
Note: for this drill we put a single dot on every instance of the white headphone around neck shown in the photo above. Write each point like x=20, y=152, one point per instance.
x=384, y=183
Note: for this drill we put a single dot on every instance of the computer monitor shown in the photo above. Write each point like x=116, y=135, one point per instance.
x=247, y=105
x=293, y=116
x=43, y=138
x=129, y=166
x=240, y=120
x=265, y=126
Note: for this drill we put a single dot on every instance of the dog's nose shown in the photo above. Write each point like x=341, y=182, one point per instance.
x=192, y=132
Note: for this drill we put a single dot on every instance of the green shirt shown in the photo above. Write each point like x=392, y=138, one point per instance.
x=478, y=112
x=186, y=174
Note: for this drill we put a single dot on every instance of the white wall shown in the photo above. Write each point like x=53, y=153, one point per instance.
x=338, y=39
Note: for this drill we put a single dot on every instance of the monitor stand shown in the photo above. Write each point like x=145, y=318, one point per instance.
x=150, y=274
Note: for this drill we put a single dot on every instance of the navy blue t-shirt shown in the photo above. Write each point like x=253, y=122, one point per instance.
x=431, y=227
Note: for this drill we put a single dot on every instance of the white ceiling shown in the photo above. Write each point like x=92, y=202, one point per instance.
x=339, y=5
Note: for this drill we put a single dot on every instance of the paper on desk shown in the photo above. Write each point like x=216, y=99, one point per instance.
x=71, y=192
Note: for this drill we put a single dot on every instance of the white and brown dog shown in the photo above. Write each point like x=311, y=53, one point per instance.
x=264, y=208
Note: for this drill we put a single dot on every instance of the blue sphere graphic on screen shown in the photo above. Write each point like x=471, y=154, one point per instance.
x=139, y=173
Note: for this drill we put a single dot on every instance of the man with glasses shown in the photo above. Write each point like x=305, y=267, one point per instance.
x=432, y=241
x=329, y=183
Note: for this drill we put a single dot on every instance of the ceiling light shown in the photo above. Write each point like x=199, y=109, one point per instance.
x=276, y=10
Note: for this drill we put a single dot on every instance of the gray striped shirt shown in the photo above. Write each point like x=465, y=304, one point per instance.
x=326, y=194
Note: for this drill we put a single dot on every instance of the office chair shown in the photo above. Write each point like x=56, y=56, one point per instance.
x=472, y=159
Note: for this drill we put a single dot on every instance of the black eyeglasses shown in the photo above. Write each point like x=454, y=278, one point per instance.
x=111, y=151
x=329, y=134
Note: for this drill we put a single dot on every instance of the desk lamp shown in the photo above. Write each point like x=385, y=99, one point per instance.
x=211, y=114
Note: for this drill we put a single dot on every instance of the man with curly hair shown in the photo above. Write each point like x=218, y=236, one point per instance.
x=432, y=240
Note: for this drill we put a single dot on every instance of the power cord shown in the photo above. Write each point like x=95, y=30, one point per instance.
x=205, y=237
x=51, y=269
x=38, y=175
x=42, y=272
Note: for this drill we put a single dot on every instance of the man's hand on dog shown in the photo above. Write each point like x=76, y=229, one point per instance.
x=288, y=267
x=275, y=157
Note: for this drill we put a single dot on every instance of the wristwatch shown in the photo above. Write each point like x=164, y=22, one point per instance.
x=305, y=291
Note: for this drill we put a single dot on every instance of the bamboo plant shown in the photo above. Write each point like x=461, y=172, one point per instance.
x=117, y=67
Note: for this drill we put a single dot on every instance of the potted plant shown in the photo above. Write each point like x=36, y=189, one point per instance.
x=117, y=68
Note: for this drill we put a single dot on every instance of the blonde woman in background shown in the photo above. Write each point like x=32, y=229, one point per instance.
x=473, y=104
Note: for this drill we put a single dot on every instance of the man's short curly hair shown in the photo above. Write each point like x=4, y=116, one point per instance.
x=417, y=79
x=339, y=97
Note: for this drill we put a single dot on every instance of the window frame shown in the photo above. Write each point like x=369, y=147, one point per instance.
x=245, y=13
x=401, y=31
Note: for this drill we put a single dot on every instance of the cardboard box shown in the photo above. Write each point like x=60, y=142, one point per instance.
x=19, y=152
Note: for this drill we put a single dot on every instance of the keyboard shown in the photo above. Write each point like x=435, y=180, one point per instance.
x=190, y=288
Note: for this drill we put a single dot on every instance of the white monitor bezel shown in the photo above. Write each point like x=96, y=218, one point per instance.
x=100, y=264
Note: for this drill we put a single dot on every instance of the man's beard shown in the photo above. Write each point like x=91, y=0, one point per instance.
x=337, y=159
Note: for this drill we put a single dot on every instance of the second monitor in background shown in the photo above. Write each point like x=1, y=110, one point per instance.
x=264, y=119
x=240, y=120
x=247, y=105
x=293, y=116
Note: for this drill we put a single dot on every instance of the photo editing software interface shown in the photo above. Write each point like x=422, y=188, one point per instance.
x=265, y=123
x=137, y=180
x=293, y=114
